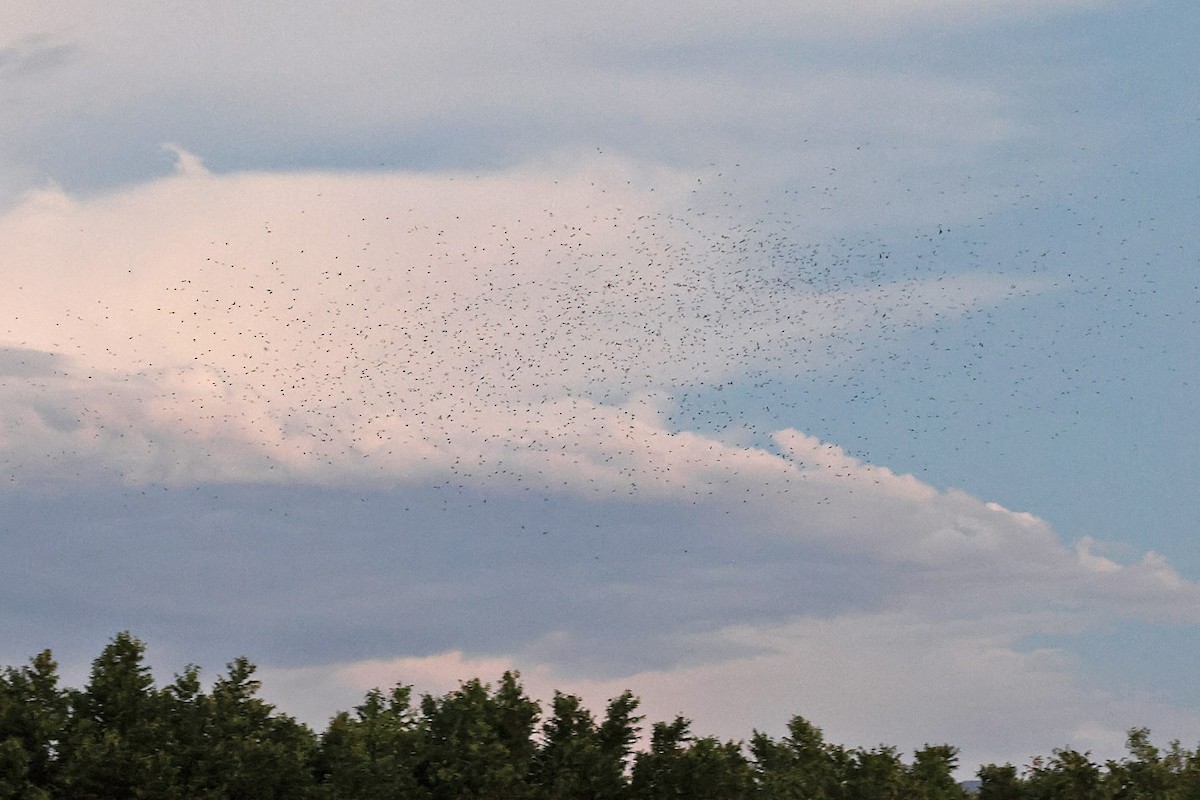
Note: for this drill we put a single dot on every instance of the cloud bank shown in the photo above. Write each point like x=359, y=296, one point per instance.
x=426, y=423
x=396, y=325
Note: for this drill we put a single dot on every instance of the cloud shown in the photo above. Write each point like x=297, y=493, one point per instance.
x=401, y=424
x=509, y=326
x=887, y=677
x=882, y=611
x=495, y=86
x=517, y=334
x=186, y=164
x=499, y=27
x=31, y=55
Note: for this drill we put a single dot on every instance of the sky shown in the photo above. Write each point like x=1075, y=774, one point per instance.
x=824, y=358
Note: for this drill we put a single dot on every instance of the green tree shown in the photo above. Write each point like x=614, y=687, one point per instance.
x=616, y=737
x=33, y=711
x=801, y=766
x=681, y=766
x=254, y=753
x=1000, y=782
x=661, y=772
x=875, y=774
x=579, y=759
x=569, y=757
x=112, y=745
x=1142, y=774
x=719, y=770
x=1067, y=775
x=931, y=774
x=1184, y=766
x=480, y=743
x=187, y=735
x=374, y=754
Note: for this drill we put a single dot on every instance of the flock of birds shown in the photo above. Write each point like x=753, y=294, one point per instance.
x=616, y=350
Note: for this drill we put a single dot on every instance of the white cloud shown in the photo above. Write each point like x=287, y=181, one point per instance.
x=395, y=324
x=504, y=84
x=533, y=329
x=236, y=26
x=189, y=165
x=889, y=677
x=521, y=330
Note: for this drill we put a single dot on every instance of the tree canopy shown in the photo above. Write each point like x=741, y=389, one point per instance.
x=121, y=736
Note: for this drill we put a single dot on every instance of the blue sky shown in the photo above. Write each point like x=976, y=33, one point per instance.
x=823, y=358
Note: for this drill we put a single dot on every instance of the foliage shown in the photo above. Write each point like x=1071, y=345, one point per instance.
x=679, y=765
x=122, y=737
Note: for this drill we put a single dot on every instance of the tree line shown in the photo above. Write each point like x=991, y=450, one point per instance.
x=122, y=737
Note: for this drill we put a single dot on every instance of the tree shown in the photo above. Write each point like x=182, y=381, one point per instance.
x=801, y=766
x=568, y=759
x=1184, y=766
x=254, y=753
x=1000, y=782
x=1067, y=775
x=111, y=747
x=187, y=735
x=580, y=760
x=1144, y=774
x=875, y=774
x=931, y=775
x=661, y=772
x=718, y=770
x=33, y=711
x=480, y=744
x=681, y=766
x=615, y=738
x=375, y=753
